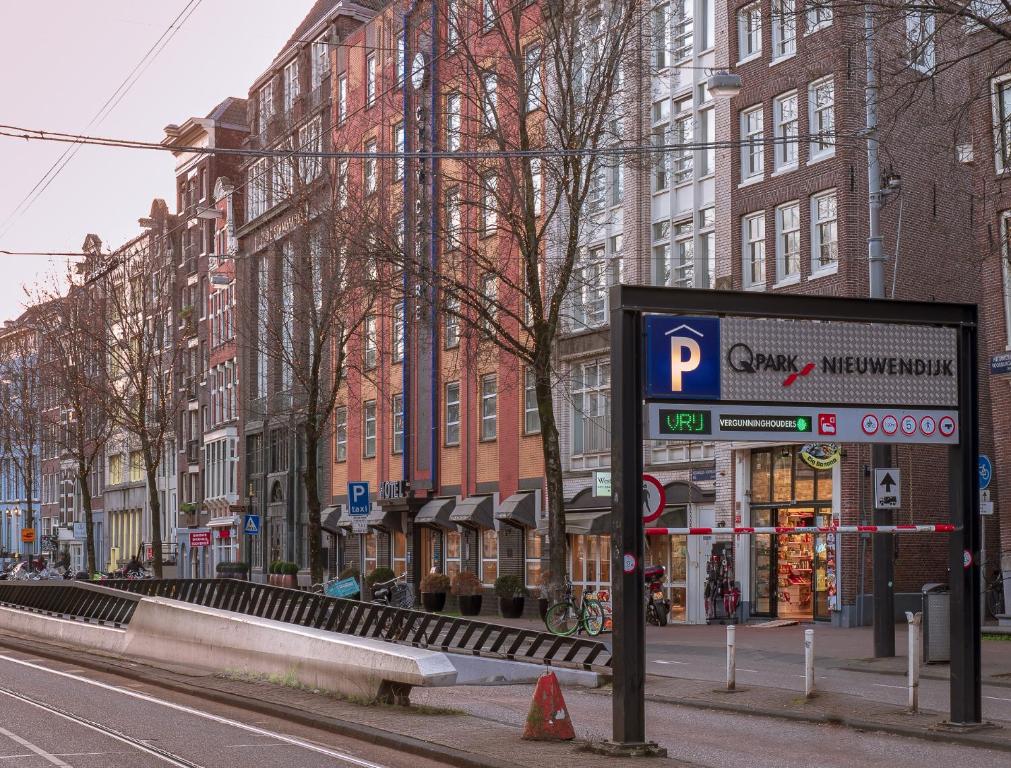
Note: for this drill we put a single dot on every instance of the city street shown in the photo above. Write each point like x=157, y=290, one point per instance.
x=57, y=715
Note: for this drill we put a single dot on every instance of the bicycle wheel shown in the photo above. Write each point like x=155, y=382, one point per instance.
x=593, y=618
x=562, y=619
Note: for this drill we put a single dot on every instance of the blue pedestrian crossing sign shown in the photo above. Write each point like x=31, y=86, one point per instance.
x=251, y=525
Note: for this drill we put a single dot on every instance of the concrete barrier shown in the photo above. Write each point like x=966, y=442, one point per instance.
x=92, y=637
x=168, y=631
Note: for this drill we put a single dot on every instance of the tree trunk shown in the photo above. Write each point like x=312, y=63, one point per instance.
x=89, y=525
x=155, y=503
x=310, y=480
x=557, y=543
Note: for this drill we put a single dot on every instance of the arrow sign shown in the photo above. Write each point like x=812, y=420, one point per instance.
x=887, y=488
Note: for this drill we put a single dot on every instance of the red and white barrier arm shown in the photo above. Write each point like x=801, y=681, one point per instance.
x=791, y=529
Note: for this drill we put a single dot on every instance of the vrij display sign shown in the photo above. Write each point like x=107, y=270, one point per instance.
x=769, y=360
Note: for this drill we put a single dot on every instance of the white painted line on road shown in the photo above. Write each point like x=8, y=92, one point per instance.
x=995, y=698
x=658, y=661
x=885, y=685
x=198, y=713
x=53, y=759
x=753, y=671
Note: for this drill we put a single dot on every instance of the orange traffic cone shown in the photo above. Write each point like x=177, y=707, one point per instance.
x=548, y=719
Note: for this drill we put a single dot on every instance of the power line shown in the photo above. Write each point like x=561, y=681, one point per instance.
x=103, y=112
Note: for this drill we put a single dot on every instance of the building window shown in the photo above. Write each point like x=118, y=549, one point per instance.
x=1002, y=123
x=1005, y=227
x=819, y=14
x=707, y=138
x=320, y=61
x=531, y=414
x=371, y=346
x=290, y=85
x=681, y=32
x=398, y=147
x=451, y=322
x=920, y=39
x=369, y=167
x=683, y=133
x=489, y=204
x=821, y=118
x=265, y=105
x=489, y=557
x=398, y=332
x=342, y=98
x=788, y=241
x=591, y=408
x=536, y=184
x=489, y=102
x=752, y=147
x=453, y=22
x=369, y=431
x=341, y=192
x=115, y=469
x=785, y=116
x=532, y=555
x=370, y=79
x=532, y=77
x=488, y=288
x=310, y=139
x=661, y=30
x=341, y=434
x=401, y=63
x=749, y=32
x=661, y=124
x=753, y=239
x=488, y=15
x=591, y=282
x=136, y=467
x=453, y=413
x=398, y=423
x=824, y=237
x=453, y=122
x=453, y=219
x=489, y=407
x=784, y=28
x=707, y=248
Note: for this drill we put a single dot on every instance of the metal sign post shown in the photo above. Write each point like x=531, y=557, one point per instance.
x=735, y=366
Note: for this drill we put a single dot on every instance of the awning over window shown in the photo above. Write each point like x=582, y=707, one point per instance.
x=588, y=523
x=330, y=520
x=680, y=492
x=475, y=511
x=223, y=522
x=436, y=513
x=519, y=510
x=385, y=519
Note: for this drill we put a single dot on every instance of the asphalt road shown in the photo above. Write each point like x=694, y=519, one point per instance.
x=56, y=715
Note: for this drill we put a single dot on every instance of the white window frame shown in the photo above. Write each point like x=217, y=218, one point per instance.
x=265, y=104
x=489, y=102
x=784, y=29
x=749, y=34
x=291, y=85
x=536, y=184
x=489, y=204
x=320, y=61
x=752, y=144
x=817, y=266
x=533, y=85
x=398, y=147
x=454, y=220
x=342, y=97
x=310, y=139
x=1001, y=97
x=398, y=332
x=371, y=76
x=821, y=120
x=784, y=130
x=488, y=15
x=489, y=407
x=753, y=241
x=451, y=323
x=370, y=176
x=920, y=30
x=531, y=413
x=371, y=353
x=369, y=429
x=453, y=121
x=1005, y=226
x=818, y=15
x=452, y=23
x=397, y=419
x=787, y=230
x=341, y=434
x=591, y=408
x=451, y=398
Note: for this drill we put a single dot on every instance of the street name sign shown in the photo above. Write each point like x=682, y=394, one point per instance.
x=887, y=488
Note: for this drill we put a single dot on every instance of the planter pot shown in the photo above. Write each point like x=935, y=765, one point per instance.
x=433, y=601
x=542, y=607
x=470, y=605
x=272, y=579
x=510, y=607
x=288, y=580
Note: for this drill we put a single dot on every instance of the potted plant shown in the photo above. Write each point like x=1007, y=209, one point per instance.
x=434, y=587
x=467, y=588
x=235, y=570
x=510, y=592
x=274, y=573
x=378, y=576
x=289, y=573
x=544, y=595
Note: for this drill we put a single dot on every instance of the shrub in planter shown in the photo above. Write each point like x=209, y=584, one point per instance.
x=510, y=592
x=274, y=573
x=378, y=576
x=236, y=570
x=434, y=587
x=467, y=588
x=287, y=572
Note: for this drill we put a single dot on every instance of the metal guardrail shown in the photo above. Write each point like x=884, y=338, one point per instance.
x=399, y=625
x=70, y=600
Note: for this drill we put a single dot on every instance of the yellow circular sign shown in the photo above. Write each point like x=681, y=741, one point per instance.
x=821, y=455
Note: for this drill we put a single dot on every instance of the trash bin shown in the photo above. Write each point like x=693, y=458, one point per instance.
x=936, y=623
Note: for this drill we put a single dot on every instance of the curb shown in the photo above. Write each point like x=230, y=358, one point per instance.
x=996, y=683
x=390, y=739
x=946, y=737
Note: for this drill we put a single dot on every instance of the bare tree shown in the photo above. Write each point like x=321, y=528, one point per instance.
x=72, y=362
x=21, y=401
x=142, y=349
x=533, y=110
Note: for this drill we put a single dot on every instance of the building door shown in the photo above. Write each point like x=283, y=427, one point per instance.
x=795, y=566
x=763, y=565
x=824, y=568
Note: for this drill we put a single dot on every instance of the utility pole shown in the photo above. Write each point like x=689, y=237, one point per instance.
x=882, y=546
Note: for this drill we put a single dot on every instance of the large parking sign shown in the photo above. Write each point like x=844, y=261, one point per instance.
x=358, y=498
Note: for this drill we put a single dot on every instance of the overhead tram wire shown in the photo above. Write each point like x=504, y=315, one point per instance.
x=103, y=112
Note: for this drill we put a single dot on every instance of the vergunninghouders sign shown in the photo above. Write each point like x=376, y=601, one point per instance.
x=800, y=361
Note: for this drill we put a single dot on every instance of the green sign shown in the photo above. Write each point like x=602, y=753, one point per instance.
x=730, y=422
x=680, y=421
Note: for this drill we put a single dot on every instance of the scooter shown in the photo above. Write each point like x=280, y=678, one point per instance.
x=657, y=604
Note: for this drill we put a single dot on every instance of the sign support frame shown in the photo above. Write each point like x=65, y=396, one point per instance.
x=628, y=304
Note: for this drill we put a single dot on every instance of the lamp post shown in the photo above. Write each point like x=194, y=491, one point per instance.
x=251, y=494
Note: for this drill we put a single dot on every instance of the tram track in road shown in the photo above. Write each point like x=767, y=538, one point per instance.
x=169, y=758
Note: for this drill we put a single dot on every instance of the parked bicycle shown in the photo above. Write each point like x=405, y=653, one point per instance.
x=395, y=592
x=994, y=591
x=568, y=617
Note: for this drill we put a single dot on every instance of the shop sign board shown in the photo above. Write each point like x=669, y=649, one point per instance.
x=393, y=489
x=27, y=535
x=81, y=531
x=1000, y=365
x=703, y=475
x=821, y=455
x=200, y=539
x=602, y=484
x=800, y=423
x=887, y=488
x=755, y=359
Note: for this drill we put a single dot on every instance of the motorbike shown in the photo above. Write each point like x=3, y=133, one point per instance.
x=657, y=604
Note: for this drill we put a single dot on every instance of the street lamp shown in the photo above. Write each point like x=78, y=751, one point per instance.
x=724, y=84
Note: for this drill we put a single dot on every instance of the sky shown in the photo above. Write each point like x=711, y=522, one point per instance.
x=60, y=61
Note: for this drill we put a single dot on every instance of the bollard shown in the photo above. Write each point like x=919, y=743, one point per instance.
x=809, y=663
x=731, y=658
x=915, y=621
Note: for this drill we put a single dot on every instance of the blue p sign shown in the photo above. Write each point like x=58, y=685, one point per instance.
x=682, y=357
x=358, y=498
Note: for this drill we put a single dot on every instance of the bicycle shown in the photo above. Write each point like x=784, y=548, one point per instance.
x=567, y=617
x=994, y=591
